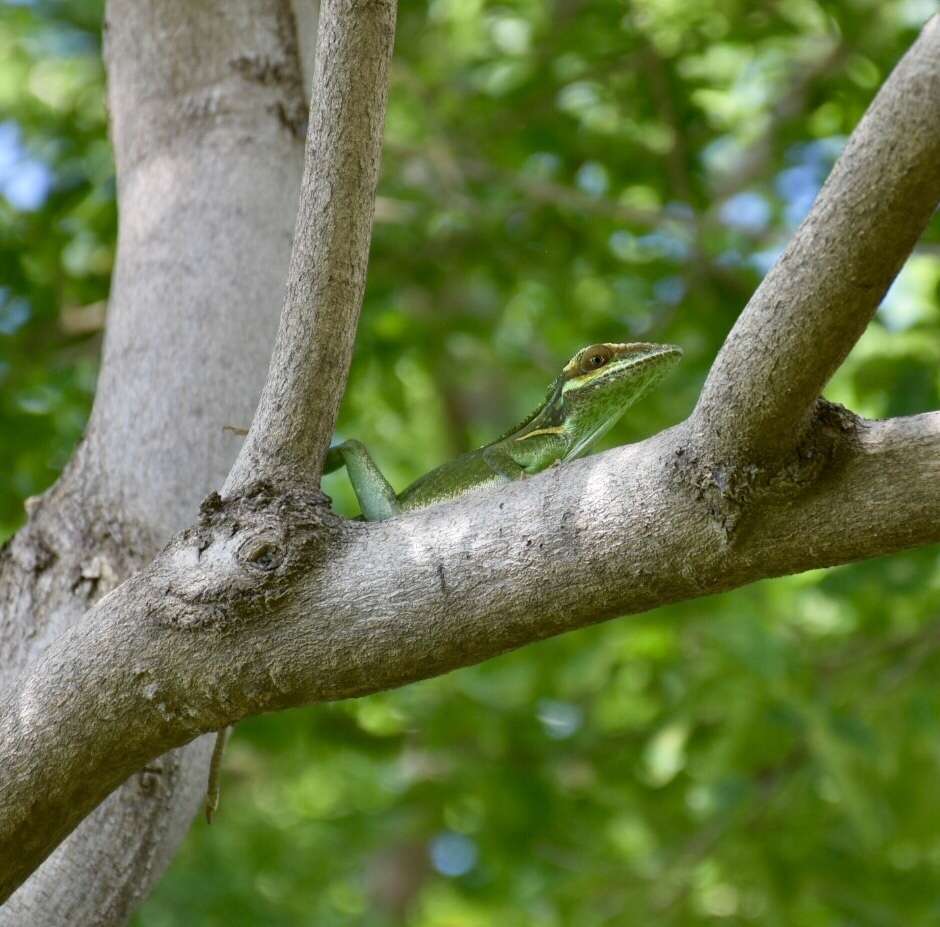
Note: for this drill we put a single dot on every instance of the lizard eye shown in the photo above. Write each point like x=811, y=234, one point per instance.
x=594, y=357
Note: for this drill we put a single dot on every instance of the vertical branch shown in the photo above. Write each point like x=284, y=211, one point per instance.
x=205, y=100
x=326, y=280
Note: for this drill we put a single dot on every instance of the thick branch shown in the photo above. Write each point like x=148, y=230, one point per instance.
x=271, y=601
x=205, y=102
x=816, y=301
x=327, y=274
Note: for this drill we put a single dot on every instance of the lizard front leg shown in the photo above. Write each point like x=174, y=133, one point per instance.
x=377, y=499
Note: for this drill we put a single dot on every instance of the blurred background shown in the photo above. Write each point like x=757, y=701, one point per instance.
x=555, y=173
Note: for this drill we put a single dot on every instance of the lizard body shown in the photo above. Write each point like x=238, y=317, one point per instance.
x=590, y=394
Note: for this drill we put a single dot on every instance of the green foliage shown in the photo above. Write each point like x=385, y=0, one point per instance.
x=555, y=174
x=57, y=233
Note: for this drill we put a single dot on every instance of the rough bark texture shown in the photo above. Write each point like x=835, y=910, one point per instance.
x=269, y=600
x=266, y=603
x=193, y=311
x=327, y=275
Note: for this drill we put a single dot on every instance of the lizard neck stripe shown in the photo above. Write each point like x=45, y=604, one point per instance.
x=542, y=431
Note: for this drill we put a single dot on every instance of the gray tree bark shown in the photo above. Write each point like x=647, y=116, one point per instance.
x=269, y=600
x=201, y=259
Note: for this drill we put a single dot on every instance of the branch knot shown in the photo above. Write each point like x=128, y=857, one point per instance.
x=731, y=488
x=243, y=555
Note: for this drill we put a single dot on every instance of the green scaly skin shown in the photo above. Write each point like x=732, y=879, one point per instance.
x=591, y=393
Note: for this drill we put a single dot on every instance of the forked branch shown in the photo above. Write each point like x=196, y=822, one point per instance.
x=271, y=601
x=816, y=301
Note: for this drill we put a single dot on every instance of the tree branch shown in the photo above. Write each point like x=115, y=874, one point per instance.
x=265, y=604
x=205, y=103
x=272, y=601
x=326, y=280
x=816, y=301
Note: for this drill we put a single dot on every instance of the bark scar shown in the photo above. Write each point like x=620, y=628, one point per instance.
x=730, y=489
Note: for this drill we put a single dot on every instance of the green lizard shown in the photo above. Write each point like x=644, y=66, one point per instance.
x=592, y=391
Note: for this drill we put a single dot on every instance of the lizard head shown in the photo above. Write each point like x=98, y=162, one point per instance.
x=603, y=380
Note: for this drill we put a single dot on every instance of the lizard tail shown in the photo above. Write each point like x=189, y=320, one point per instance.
x=213, y=789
